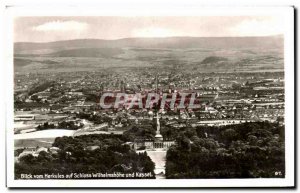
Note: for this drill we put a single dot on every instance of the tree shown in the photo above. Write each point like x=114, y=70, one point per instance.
x=28, y=159
x=229, y=135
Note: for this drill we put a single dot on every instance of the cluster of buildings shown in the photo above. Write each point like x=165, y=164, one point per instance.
x=225, y=98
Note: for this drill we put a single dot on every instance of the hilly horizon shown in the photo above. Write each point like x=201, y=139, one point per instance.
x=209, y=53
x=168, y=37
x=162, y=42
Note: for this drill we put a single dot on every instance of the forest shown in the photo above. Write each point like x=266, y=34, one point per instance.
x=86, y=154
x=248, y=150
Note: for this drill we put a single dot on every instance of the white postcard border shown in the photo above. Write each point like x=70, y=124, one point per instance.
x=286, y=12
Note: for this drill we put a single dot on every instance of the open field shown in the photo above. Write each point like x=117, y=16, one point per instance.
x=42, y=142
x=51, y=133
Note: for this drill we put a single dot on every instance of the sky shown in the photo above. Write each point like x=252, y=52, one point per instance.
x=47, y=29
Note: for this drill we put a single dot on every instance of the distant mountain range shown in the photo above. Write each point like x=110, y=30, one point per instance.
x=75, y=47
x=205, y=54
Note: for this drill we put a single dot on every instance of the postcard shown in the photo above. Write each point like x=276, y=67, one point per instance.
x=139, y=98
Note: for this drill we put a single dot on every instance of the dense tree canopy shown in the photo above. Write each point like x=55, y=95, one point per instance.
x=248, y=150
x=86, y=154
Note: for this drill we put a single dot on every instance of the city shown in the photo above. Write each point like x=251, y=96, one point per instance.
x=156, y=97
x=58, y=104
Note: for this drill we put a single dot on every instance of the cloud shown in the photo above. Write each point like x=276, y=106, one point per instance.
x=61, y=26
x=255, y=27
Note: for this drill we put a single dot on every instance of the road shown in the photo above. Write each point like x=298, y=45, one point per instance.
x=159, y=158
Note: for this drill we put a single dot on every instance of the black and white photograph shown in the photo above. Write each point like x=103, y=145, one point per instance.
x=200, y=98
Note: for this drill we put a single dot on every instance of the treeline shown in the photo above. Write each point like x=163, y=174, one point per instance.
x=86, y=154
x=97, y=119
x=140, y=131
x=40, y=87
x=249, y=150
x=70, y=125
